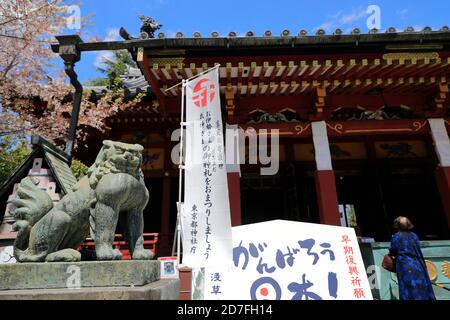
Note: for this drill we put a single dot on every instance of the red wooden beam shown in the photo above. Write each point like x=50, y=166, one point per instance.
x=144, y=65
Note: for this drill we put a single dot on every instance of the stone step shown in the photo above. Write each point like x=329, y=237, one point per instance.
x=159, y=290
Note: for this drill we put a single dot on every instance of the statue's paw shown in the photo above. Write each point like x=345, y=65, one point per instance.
x=20, y=225
x=27, y=258
x=143, y=254
x=16, y=227
x=106, y=254
x=66, y=255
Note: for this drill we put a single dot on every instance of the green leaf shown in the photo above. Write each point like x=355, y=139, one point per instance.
x=79, y=169
x=13, y=152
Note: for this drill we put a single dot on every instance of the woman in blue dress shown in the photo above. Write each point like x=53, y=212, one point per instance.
x=412, y=274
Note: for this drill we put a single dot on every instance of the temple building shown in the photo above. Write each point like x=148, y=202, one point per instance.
x=362, y=123
x=379, y=101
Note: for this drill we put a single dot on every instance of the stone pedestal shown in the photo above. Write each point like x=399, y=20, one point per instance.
x=159, y=290
x=86, y=280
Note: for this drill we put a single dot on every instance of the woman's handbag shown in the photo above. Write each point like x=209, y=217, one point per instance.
x=388, y=263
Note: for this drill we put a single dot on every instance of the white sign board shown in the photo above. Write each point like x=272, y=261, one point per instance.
x=206, y=222
x=286, y=260
x=7, y=255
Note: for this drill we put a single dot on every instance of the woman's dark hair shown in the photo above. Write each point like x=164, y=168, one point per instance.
x=403, y=224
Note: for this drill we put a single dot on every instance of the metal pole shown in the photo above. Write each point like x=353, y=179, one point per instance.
x=69, y=52
x=181, y=167
x=76, y=107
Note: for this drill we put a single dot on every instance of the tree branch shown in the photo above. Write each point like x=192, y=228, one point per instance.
x=26, y=15
x=5, y=133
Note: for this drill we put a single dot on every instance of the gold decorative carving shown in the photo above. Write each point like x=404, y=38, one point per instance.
x=256, y=110
x=336, y=128
x=140, y=54
x=300, y=129
x=411, y=56
x=418, y=125
x=432, y=270
x=446, y=269
x=175, y=61
x=418, y=47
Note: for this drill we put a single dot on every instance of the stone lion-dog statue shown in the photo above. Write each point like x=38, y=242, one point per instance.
x=113, y=186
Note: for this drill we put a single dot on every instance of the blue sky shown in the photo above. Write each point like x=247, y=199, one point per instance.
x=244, y=15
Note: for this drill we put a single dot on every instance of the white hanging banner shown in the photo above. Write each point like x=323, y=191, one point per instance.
x=441, y=141
x=321, y=146
x=206, y=216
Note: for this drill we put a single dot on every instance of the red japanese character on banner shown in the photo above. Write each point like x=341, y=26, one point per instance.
x=345, y=239
x=359, y=293
x=353, y=270
x=204, y=93
x=348, y=250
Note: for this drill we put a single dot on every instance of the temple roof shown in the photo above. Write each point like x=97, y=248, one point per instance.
x=286, y=39
x=303, y=33
x=57, y=161
x=335, y=65
x=314, y=73
x=132, y=81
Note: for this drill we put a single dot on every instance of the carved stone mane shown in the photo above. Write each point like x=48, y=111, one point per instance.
x=108, y=161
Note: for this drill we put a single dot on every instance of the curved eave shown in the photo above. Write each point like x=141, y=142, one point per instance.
x=381, y=40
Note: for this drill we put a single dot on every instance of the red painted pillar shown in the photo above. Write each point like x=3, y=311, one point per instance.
x=234, y=193
x=327, y=197
x=185, y=283
x=443, y=184
x=324, y=176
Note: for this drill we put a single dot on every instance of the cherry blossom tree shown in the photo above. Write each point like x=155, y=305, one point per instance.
x=35, y=97
x=26, y=28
